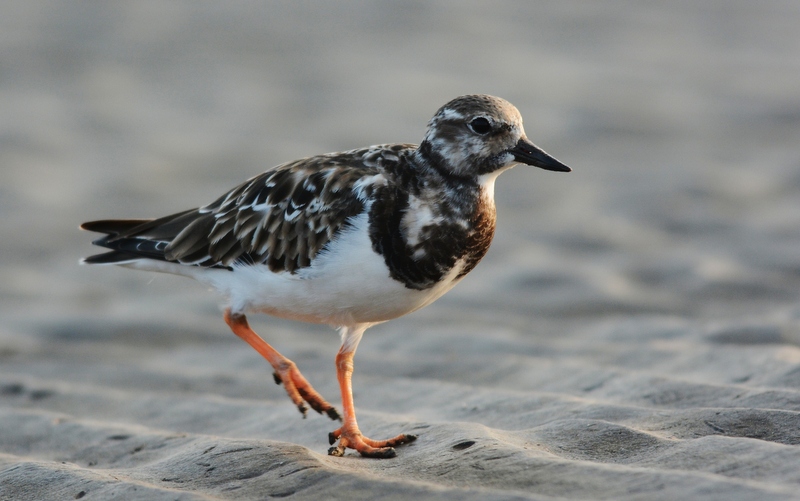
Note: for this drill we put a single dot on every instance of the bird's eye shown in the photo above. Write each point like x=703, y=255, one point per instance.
x=480, y=126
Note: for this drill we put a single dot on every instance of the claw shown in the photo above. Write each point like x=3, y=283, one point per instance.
x=277, y=378
x=409, y=438
x=384, y=453
x=378, y=449
x=333, y=414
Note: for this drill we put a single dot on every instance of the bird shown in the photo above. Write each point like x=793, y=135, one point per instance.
x=349, y=239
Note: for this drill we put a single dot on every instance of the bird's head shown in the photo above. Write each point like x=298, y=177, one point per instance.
x=479, y=134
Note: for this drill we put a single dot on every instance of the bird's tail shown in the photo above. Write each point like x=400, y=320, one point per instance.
x=112, y=228
x=134, y=239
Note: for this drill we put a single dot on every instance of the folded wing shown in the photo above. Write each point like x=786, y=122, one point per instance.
x=282, y=218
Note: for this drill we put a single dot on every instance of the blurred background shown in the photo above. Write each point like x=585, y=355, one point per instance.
x=662, y=274
x=681, y=121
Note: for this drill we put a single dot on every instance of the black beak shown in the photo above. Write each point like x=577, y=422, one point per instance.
x=528, y=153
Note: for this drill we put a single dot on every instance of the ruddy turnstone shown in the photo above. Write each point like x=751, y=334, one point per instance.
x=348, y=239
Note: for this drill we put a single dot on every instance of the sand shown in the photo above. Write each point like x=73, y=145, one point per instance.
x=633, y=333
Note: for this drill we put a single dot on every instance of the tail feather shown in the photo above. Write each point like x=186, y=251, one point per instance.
x=113, y=226
x=136, y=239
x=133, y=239
x=113, y=257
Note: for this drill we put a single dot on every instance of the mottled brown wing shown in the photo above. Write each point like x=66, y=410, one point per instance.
x=284, y=217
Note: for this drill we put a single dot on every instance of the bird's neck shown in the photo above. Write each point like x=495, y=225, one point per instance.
x=431, y=163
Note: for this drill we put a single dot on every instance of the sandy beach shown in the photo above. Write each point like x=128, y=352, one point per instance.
x=632, y=334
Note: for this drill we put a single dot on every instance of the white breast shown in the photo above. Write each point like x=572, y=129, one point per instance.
x=346, y=284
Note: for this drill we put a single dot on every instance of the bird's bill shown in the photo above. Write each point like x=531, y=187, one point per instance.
x=528, y=153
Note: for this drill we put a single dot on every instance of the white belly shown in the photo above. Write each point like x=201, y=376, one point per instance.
x=347, y=284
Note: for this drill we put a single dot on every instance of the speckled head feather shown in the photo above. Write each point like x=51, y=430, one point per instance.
x=471, y=135
x=479, y=134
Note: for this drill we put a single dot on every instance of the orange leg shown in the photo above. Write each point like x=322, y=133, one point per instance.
x=286, y=372
x=349, y=436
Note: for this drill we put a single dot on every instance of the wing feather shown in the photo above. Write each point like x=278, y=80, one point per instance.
x=282, y=218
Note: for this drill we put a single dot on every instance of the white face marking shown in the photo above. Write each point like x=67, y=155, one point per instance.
x=452, y=152
x=449, y=114
x=463, y=149
x=508, y=160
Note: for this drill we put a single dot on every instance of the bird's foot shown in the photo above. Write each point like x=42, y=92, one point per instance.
x=301, y=391
x=353, y=439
